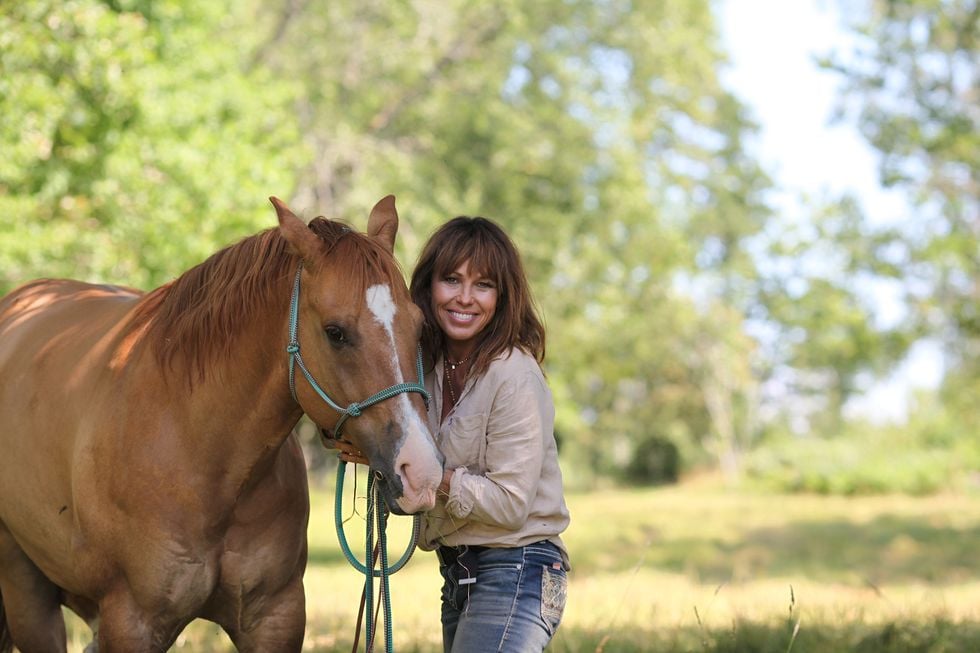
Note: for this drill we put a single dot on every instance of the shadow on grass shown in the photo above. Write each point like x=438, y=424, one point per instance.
x=885, y=549
x=936, y=636
x=933, y=636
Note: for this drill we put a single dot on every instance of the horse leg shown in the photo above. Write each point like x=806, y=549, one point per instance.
x=271, y=623
x=31, y=602
x=124, y=626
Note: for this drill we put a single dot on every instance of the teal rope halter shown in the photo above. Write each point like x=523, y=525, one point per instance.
x=354, y=409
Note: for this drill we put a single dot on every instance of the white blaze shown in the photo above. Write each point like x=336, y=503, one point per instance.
x=382, y=306
x=417, y=453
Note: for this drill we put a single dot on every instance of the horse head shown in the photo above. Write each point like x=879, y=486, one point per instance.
x=354, y=335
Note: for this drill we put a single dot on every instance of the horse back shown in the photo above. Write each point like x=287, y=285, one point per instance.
x=58, y=339
x=39, y=315
x=57, y=322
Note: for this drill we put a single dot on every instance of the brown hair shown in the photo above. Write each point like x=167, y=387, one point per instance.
x=490, y=252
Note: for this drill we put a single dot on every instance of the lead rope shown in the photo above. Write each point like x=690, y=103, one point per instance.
x=377, y=515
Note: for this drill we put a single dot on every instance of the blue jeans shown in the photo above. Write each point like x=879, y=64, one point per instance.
x=501, y=599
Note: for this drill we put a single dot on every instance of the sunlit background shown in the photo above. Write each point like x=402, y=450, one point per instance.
x=752, y=227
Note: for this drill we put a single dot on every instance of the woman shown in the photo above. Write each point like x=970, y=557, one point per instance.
x=496, y=526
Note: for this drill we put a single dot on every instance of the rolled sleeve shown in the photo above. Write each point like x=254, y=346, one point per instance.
x=460, y=503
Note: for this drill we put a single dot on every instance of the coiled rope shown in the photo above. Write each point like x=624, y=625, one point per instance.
x=376, y=517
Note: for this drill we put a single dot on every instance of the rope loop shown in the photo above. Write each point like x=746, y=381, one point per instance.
x=376, y=517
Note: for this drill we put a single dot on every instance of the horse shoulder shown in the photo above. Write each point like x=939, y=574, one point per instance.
x=270, y=518
x=264, y=548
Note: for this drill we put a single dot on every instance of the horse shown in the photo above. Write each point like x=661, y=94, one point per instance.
x=149, y=473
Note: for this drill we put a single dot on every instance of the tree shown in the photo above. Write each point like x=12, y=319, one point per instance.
x=911, y=86
x=134, y=142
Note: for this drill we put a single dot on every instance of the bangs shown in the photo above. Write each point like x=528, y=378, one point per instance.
x=478, y=248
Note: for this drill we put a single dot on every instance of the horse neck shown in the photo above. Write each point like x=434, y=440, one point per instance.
x=240, y=410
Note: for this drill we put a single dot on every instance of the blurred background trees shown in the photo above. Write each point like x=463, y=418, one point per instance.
x=913, y=88
x=691, y=325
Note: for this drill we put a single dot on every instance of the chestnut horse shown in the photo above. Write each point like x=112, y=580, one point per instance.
x=148, y=471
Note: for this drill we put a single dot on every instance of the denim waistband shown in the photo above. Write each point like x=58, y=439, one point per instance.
x=448, y=553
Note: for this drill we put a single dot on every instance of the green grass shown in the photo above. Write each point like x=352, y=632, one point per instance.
x=700, y=568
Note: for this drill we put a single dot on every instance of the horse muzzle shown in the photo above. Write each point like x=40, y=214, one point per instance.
x=417, y=469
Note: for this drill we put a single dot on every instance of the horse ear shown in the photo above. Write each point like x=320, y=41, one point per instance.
x=383, y=223
x=303, y=242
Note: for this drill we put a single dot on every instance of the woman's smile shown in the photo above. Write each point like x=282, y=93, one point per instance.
x=464, y=303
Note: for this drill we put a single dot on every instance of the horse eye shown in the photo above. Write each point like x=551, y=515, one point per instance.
x=335, y=335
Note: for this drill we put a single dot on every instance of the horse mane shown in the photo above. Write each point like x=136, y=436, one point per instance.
x=199, y=317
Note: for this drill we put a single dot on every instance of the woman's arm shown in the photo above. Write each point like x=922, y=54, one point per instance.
x=521, y=412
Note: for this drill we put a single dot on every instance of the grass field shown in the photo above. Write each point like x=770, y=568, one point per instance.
x=701, y=568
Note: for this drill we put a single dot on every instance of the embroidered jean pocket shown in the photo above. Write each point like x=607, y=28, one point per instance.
x=554, y=591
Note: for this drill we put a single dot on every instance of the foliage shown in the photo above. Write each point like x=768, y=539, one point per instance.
x=852, y=466
x=654, y=461
x=823, y=334
x=934, y=452
x=910, y=85
x=134, y=142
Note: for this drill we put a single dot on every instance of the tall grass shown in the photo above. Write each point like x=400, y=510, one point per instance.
x=702, y=568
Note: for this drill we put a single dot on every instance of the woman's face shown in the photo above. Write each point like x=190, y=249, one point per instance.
x=464, y=303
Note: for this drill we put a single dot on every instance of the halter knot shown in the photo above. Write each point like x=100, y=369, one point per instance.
x=354, y=410
x=292, y=348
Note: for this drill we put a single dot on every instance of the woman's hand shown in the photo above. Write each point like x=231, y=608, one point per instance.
x=447, y=476
x=347, y=451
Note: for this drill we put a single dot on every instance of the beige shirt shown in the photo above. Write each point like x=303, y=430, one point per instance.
x=506, y=489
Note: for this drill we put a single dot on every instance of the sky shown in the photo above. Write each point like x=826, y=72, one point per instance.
x=772, y=44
